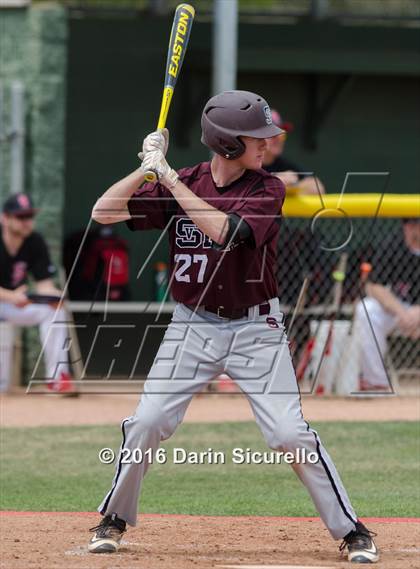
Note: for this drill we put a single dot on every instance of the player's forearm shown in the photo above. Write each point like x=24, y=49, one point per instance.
x=111, y=207
x=386, y=298
x=213, y=222
x=46, y=286
x=6, y=295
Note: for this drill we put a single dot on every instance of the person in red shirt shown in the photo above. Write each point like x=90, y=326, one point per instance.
x=222, y=219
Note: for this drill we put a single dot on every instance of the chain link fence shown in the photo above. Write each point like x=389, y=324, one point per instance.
x=316, y=289
x=307, y=261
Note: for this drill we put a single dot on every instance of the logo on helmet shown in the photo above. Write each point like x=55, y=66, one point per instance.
x=267, y=113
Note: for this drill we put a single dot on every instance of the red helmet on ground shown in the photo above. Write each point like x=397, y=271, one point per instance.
x=232, y=114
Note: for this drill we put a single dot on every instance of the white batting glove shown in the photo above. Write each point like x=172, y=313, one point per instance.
x=157, y=140
x=155, y=161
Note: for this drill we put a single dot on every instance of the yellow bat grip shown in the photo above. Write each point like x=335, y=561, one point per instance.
x=166, y=103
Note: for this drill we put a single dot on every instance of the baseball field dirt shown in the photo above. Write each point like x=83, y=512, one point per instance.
x=18, y=410
x=58, y=541
x=55, y=540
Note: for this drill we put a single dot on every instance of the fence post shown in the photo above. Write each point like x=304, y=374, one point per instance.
x=225, y=32
x=17, y=137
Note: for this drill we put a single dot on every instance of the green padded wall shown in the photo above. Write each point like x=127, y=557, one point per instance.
x=34, y=50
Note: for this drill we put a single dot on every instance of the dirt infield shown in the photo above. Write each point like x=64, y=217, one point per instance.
x=19, y=410
x=58, y=541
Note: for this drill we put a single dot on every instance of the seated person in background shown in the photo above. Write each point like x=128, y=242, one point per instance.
x=392, y=302
x=23, y=251
x=289, y=173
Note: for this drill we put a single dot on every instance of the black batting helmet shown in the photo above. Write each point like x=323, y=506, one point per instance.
x=232, y=114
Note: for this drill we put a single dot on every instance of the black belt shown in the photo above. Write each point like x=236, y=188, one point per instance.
x=235, y=313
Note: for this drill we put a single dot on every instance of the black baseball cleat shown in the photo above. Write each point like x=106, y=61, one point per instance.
x=107, y=535
x=362, y=548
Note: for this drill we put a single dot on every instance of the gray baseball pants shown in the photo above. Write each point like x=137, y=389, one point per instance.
x=254, y=352
x=53, y=337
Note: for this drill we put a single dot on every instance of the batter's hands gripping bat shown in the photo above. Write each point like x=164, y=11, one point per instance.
x=180, y=34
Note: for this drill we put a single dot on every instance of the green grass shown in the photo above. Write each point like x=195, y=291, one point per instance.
x=57, y=469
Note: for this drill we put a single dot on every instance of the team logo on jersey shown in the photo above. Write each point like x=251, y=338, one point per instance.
x=188, y=236
x=267, y=113
x=18, y=273
x=272, y=322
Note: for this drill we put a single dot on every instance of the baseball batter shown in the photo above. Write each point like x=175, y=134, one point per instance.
x=222, y=219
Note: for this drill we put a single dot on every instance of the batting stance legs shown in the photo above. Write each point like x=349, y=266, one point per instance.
x=254, y=352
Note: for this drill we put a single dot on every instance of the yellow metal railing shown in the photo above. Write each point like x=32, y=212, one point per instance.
x=353, y=205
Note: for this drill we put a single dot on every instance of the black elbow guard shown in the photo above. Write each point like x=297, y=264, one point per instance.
x=238, y=232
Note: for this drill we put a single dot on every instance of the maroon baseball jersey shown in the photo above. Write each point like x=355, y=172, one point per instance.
x=201, y=274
